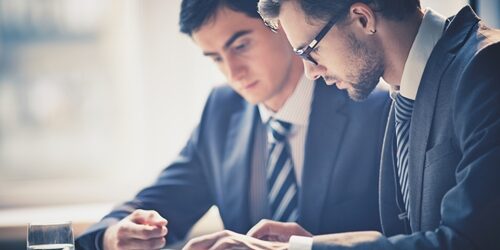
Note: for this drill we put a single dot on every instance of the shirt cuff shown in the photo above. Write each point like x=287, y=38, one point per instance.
x=99, y=240
x=300, y=243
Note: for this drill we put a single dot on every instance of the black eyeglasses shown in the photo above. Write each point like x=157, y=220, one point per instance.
x=305, y=52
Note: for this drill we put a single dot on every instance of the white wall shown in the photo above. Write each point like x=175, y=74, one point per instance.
x=489, y=11
x=445, y=7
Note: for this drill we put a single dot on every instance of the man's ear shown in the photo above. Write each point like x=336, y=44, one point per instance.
x=363, y=16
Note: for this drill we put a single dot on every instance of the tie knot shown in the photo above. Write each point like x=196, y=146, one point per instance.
x=278, y=130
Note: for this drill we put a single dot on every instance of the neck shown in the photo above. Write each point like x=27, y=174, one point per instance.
x=398, y=37
x=291, y=80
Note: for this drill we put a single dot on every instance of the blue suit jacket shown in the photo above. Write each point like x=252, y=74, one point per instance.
x=454, y=149
x=454, y=157
x=340, y=176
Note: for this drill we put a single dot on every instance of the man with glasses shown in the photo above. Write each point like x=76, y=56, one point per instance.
x=440, y=172
x=271, y=144
x=305, y=51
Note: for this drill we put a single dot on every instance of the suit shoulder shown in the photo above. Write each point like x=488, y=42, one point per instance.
x=482, y=68
x=481, y=52
x=482, y=39
x=224, y=95
x=489, y=54
x=221, y=104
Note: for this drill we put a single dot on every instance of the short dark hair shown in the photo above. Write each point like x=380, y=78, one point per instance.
x=196, y=13
x=326, y=9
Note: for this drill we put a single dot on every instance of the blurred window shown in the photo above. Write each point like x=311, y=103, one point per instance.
x=89, y=91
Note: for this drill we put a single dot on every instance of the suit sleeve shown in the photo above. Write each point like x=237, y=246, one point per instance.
x=470, y=211
x=181, y=194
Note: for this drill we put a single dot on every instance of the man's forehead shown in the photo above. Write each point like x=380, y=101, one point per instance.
x=220, y=33
x=212, y=43
x=293, y=21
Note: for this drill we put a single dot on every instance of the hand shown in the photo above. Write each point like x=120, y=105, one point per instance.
x=231, y=240
x=142, y=229
x=277, y=231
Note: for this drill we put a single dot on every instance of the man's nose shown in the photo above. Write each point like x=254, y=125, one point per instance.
x=313, y=71
x=236, y=70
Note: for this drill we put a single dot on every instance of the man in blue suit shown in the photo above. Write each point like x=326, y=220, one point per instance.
x=332, y=150
x=440, y=171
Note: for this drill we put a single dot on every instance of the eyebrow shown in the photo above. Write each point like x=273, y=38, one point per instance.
x=230, y=41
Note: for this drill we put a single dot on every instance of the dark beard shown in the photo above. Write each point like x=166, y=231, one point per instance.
x=370, y=69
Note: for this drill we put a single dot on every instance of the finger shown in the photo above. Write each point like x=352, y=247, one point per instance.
x=226, y=243
x=206, y=241
x=262, y=229
x=156, y=243
x=288, y=229
x=277, y=231
x=149, y=217
x=271, y=238
x=130, y=229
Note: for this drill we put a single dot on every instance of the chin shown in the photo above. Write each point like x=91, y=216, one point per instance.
x=252, y=99
x=357, y=96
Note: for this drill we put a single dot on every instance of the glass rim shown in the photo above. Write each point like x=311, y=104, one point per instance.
x=49, y=223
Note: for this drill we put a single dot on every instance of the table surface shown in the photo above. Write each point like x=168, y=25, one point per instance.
x=13, y=222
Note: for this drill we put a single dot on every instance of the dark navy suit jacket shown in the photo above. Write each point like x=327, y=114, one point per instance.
x=454, y=157
x=454, y=149
x=339, y=190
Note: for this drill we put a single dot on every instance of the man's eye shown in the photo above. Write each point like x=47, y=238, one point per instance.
x=241, y=47
x=217, y=59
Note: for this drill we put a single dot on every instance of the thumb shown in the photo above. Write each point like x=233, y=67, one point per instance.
x=148, y=217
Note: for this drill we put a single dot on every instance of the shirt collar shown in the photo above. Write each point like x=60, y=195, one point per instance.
x=296, y=108
x=430, y=31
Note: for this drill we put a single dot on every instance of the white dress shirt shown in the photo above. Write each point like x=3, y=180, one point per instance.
x=295, y=110
x=430, y=31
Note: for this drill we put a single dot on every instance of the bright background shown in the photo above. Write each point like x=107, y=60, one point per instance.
x=96, y=97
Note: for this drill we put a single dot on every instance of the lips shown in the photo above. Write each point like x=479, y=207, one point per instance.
x=330, y=80
x=250, y=85
x=341, y=85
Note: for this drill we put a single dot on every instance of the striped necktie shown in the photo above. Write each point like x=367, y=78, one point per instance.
x=282, y=184
x=403, y=111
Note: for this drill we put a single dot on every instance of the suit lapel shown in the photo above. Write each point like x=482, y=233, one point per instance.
x=324, y=138
x=419, y=132
x=236, y=168
x=424, y=107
